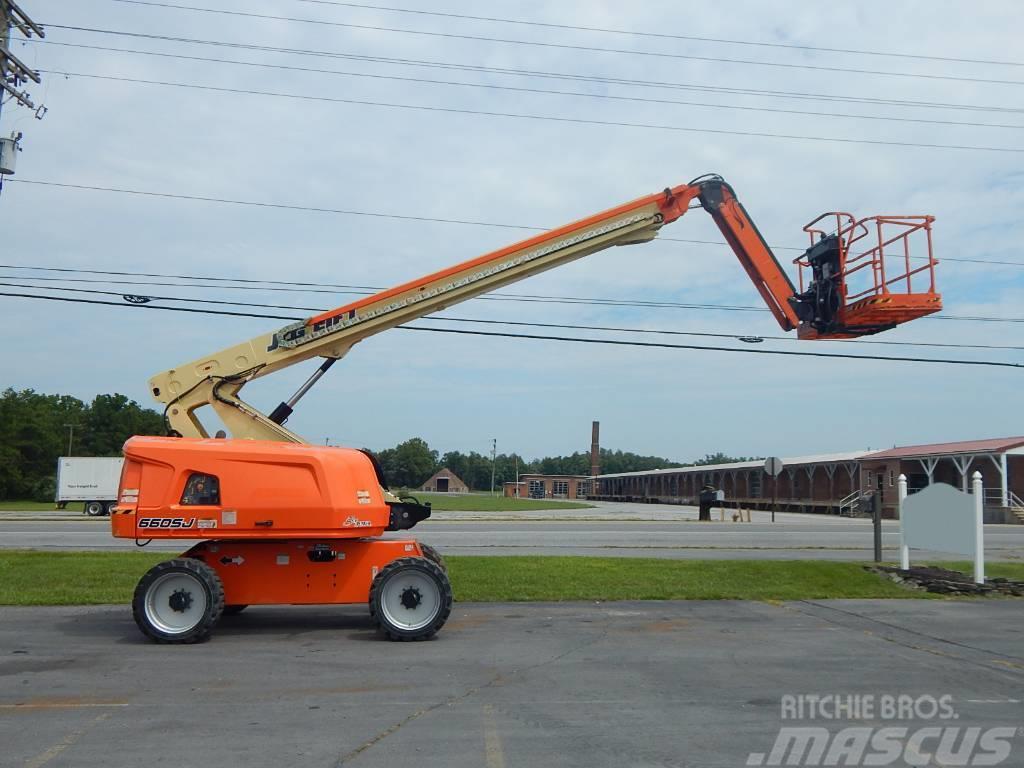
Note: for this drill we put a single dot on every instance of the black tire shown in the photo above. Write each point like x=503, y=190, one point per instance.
x=433, y=555
x=413, y=576
x=94, y=508
x=179, y=586
x=109, y=508
x=233, y=610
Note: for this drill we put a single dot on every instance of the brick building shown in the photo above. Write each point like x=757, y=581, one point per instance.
x=833, y=483
x=445, y=481
x=807, y=483
x=1000, y=461
x=549, y=487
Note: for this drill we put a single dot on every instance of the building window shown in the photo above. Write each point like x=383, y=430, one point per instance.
x=892, y=477
x=201, y=491
x=560, y=488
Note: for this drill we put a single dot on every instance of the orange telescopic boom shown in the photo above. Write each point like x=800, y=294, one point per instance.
x=855, y=279
x=285, y=522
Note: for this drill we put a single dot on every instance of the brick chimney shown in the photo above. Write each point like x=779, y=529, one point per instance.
x=595, y=448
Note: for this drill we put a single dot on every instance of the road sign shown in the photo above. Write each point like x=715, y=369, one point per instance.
x=773, y=467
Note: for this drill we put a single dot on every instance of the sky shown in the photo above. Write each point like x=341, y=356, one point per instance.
x=311, y=146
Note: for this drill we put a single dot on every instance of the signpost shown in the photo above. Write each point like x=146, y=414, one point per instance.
x=773, y=467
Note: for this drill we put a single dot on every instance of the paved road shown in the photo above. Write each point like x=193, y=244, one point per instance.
x=504, y=685
x=795, y=537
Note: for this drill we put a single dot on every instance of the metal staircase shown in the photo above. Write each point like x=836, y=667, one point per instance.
x=854, y=505
x=1016, y=506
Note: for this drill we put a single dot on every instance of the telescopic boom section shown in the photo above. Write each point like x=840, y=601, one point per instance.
x=742, y=235
x=217, y=380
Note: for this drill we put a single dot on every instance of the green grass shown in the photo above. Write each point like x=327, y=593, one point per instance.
x=89, y=578
x=993, y=570
x=472, y=502
x=71, y=578
x=35, y=506
x=477, y=579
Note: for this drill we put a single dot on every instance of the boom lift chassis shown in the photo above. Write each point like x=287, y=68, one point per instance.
x=285, y=522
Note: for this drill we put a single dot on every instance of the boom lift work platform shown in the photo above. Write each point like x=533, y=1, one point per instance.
x=282, y=521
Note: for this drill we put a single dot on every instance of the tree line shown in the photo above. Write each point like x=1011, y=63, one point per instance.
x=411, y=463
x=35, y=429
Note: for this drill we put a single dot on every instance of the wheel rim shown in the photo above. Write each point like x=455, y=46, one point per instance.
x=94, y=509
x=176, y=603
x=410, y=600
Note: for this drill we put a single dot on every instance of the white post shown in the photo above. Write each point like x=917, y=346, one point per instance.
x=1005, y=482
x=904, y=549
x=979, y=528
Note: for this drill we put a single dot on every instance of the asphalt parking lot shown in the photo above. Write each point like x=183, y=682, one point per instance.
x=617, y=684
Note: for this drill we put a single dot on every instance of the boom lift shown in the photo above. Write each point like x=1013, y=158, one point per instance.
x=286, y=522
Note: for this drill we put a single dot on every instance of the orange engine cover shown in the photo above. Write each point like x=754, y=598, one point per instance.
x=246, y=489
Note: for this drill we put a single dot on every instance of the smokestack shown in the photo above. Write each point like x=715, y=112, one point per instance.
x=595, y=448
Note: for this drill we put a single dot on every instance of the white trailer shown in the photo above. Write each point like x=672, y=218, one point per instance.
x=92, y=481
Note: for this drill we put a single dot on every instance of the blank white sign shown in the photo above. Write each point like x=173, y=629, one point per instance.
x=939, y=518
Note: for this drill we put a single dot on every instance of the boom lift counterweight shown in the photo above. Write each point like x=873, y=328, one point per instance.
x=285, y=522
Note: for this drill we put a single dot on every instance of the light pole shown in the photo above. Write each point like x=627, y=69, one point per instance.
x=517, y=475
x=71, y=435
x=494, y=458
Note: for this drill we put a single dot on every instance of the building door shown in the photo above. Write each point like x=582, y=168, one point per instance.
x=536, y=489
x=442, y=485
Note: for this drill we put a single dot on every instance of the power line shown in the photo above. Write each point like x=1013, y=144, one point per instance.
x=667, y=36
x=547, y=91
x=529, y=73
x=561, y=46
x=538, y=337
x=745, y=337
x=370, y=290
x=514, y=297
x=405, y=217
x=548, y=118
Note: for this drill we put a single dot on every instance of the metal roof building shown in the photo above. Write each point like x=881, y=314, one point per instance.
x=834, y=482
x=999, y=460
x=817, y=483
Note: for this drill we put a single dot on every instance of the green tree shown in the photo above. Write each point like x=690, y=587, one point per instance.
x=34, y=432
x=721, y=458
x=111, y=419
x=408, y=464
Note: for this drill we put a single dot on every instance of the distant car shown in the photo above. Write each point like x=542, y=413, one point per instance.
x=92, y=481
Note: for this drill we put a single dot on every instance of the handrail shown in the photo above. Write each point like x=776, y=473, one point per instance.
x=849, y=502
x=850, y=231
x=994, y=496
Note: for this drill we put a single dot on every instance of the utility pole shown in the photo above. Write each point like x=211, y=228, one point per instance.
x=517, y=475
x=69, y=427
x=14, y=74
x=494, y=458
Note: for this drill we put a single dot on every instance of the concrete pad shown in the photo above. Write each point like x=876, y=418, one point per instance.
x=615, y=684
